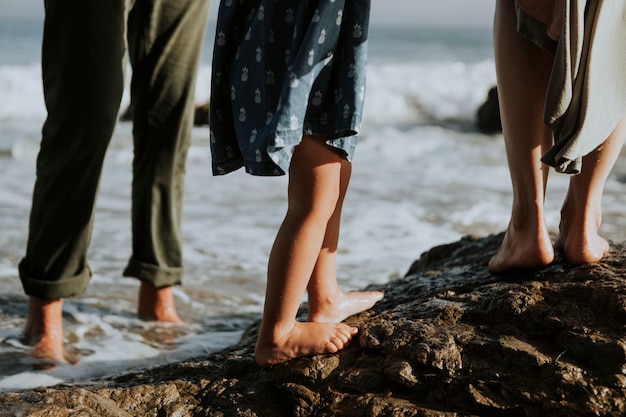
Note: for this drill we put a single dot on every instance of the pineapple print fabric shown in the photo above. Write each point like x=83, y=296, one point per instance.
x=281, y=69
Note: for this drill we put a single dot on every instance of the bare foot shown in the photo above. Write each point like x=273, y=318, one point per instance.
x=304, y=339
x=581, y=245
x=342, y=305
x=523, y=249
x=44, y=331
x=54, y=356
x=157, y=304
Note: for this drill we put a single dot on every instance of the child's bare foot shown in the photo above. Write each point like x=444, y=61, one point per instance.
x=304, y=339
x=44, y=331
x=523, y=249
x=342, y=305
x=157, y=304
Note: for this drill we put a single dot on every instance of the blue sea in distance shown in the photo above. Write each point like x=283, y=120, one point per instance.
x=422, y=176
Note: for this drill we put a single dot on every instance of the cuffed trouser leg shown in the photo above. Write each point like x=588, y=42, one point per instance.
x=164, y=42
x=82, y=67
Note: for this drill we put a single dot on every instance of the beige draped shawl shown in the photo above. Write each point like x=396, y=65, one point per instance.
x=587, y=92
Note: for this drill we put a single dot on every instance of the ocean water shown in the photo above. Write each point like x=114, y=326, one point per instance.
x=422, y=176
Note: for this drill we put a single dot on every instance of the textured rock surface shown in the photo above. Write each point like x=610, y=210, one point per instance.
x=449, y=339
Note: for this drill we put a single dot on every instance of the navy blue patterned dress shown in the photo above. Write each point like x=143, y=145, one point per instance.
x=283, y=69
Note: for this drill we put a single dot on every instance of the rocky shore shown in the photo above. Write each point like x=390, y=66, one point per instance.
x=448, y=339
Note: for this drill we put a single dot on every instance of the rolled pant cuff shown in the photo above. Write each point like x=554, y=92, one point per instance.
x=51, y=290
x=155, y=275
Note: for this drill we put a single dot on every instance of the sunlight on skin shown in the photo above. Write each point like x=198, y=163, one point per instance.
x=578, y=235
x=303, y=259
x=343, y=306
x=305, y=339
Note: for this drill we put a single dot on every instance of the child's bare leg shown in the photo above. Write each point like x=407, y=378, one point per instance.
x=44, y=331
x=582, y=209
x=523, y=71
x=327, y=302
x=312, y=196
x=156, y=304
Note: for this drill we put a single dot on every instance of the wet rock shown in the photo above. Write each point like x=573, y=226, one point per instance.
x=448, y=339
x=488, y=114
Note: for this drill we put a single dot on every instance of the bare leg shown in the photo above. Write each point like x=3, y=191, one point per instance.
x=523, y=71
x=582, y=209
x=313, y=194
x=157, y=304
x=327, y=302
x=44, y=331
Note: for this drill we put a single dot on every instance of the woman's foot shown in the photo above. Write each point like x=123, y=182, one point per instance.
x=342, y=305
x=522, y=248
x=304, y=339
x=579, y=240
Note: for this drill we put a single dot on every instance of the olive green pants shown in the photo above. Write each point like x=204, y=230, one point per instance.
x=84, y=46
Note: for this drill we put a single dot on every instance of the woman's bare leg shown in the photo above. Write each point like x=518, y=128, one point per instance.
x=523, y=72
x=582, y=209
x=313, y=193
x=327, y=302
